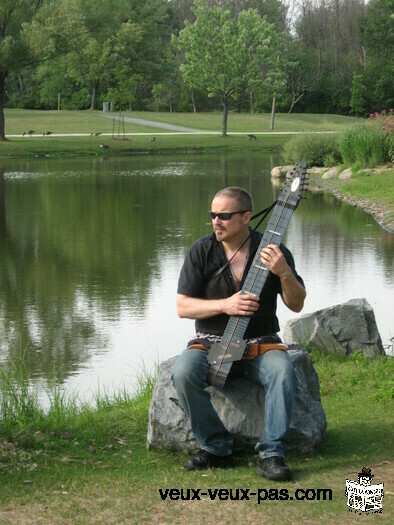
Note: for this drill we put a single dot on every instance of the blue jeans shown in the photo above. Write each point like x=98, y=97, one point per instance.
x=273, y=370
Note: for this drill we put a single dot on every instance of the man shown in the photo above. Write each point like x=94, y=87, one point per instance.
x=209, y=288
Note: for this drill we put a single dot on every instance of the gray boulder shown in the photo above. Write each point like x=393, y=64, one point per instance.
x=240, y=405
x=340, y=329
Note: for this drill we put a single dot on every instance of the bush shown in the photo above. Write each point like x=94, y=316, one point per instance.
x=316, y=149
x=365, y=145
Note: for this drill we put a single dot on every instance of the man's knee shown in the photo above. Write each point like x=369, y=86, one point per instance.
x=190, y=368
x=281, y=368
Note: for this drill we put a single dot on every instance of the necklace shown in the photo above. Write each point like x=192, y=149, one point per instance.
x=238, y=265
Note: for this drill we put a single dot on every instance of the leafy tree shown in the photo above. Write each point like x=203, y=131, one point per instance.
x=31, y=32
x=376, y=31
x=106, y=28
x=228, y=56
x=377, y=28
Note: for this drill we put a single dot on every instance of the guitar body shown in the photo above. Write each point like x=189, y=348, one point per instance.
x=232, y=346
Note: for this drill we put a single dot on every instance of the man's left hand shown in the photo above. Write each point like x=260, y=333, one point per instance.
x=272, y=257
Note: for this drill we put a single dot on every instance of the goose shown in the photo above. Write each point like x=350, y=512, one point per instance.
x=30, y=132
x=47, y=133
x=96, y=134
x=104, y=146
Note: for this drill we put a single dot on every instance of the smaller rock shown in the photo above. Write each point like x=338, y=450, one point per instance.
x=315, y=170
x=280, y=171
x=346, y=174
x=341, y=329
x=331, y=173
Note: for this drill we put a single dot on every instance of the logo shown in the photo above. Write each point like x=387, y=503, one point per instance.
x=295, y=184
x=362, y=496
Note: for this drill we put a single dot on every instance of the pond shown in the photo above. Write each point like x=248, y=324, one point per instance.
x=91, y=251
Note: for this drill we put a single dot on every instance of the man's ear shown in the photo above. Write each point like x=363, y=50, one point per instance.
x=247, y=217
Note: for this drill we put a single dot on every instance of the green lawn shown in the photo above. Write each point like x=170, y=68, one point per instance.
x=64, y=146
x=93, y=467
x=249, y=122
x=19, y=121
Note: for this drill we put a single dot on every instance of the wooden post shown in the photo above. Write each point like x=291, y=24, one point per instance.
x=273, y=113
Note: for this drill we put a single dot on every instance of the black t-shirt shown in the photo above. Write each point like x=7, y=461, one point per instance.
x=197, y=279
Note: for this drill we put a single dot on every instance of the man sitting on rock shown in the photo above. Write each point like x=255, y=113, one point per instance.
x=209, y=288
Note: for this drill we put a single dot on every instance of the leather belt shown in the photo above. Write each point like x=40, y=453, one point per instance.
x=253, y=351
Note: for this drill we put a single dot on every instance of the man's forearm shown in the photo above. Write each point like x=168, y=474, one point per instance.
x=195, y=308
x=237, y=304
x=293, y=293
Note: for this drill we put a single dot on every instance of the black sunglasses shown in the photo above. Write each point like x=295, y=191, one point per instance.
x=225, y=216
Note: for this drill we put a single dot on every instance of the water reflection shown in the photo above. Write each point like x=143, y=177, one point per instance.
x=91, y=251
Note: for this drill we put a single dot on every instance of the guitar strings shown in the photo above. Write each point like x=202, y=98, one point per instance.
x=284, y=211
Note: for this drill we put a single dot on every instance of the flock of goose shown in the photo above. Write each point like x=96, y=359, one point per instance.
x=30, y=132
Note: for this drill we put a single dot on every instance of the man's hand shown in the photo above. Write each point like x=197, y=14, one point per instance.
x=237, y=304
x=293, y=293
x=272, y=257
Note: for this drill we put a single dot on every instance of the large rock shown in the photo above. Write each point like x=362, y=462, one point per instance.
x=340, y=329
x=240, y=406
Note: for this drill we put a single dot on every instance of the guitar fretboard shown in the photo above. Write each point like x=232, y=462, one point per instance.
x=258, y=272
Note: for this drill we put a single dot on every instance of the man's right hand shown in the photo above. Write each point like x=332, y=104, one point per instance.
x=241, y=304
x=237, y=304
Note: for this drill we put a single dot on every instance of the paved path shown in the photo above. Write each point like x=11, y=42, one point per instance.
x=159, y=133
x=151, y=123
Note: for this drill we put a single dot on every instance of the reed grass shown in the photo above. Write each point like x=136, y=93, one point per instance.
x=364, y=146
x=22, y=411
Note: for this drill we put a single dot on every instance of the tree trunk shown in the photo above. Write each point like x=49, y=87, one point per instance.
x=225, y=113
x=2, y=205
x=2, y=121
x=251, y=101
x=94, y=89
x=193, y=102
x=273, y=113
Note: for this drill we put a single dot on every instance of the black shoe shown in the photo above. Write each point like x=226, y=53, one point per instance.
x=204, y=459
x=273, y=468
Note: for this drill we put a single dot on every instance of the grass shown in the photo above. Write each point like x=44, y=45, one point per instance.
x=249, y=122
x=19, y=121
x=92, y=466
x=68, y=122
x=363, y=185
x=82, y=146
x=364, y=144
x=373, y=192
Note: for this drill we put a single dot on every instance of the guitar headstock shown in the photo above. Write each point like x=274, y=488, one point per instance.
x=292, y=192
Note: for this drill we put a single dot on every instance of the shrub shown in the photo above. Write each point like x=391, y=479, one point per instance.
x=317, y=149
x=365, y=145
x=385, y=122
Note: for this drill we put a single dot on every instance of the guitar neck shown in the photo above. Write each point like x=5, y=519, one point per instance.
x=258, y=273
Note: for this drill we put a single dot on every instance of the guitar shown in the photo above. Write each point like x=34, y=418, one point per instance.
x=232, y=346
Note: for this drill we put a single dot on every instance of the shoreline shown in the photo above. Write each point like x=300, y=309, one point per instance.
x=382, y=213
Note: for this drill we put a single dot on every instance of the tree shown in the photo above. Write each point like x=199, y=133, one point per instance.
x=376, y=31
x=32, y=31
x=227, y=56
